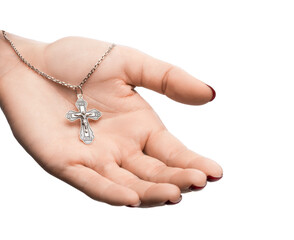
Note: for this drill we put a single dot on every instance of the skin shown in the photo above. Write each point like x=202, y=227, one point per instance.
x=134, y=160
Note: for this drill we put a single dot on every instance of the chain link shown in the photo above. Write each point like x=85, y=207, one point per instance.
x=68, y=85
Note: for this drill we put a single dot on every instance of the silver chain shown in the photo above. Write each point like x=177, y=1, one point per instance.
x=73, y=87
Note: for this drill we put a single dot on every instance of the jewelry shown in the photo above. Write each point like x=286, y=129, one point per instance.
x=86, y=133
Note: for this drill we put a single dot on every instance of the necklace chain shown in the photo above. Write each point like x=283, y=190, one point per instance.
x=68, y=85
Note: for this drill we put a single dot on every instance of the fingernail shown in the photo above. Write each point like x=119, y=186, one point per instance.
x=213, y=93
x=196, y=188
x=172, y=203
x=213, y=179
x=135, y=205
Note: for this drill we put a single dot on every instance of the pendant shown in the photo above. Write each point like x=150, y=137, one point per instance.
x=86, y=133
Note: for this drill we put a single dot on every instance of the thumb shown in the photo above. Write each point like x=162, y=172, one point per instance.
x=172, y=81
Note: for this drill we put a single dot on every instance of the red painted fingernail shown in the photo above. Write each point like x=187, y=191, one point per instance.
x=135, y=205
x=196, y=188
x=173, y=203
x=213, y=179
x=213, y=93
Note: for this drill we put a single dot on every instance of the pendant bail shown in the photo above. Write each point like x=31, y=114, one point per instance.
x=79, y=94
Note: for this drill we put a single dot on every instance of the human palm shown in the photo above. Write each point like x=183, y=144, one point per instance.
x=133, y=159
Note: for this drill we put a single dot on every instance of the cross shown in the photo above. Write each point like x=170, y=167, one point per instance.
x=86, y=133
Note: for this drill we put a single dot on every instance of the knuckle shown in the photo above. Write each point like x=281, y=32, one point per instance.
x=165, y=78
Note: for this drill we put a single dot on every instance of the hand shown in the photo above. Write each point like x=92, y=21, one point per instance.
x=133, y=159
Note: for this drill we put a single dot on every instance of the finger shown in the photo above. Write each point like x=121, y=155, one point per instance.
x=167, y=148
x=153, y=170
x=149, y=193
x=162, y=77
x=98, y=187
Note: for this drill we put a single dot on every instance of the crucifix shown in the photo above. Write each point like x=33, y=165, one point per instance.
x=86, y=133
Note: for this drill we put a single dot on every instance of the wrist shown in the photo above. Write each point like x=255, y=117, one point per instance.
x=2, y=60
x=7, y=61
x=6, y=56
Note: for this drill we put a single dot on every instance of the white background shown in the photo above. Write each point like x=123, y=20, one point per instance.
x=245, y=50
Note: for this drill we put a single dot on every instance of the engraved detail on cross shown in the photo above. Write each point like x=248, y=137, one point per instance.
x=86, y=133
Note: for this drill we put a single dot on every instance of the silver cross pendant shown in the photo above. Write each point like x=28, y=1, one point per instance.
x=86, y=133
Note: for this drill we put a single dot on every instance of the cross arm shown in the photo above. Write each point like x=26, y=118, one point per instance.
x=94, y=114
x=72, y=115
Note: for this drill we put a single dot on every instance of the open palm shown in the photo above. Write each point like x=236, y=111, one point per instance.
x=133, y=159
